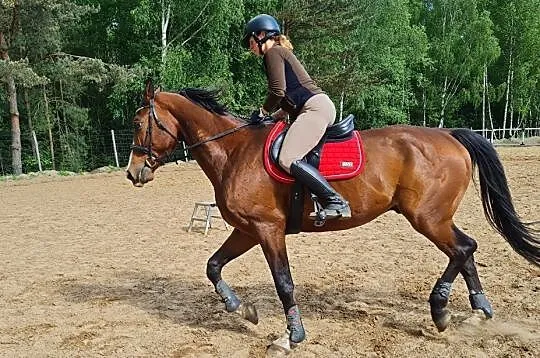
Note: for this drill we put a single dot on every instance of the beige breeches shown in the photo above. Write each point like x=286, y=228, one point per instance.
x=307, y=130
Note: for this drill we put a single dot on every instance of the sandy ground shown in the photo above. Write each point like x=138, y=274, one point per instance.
x=91, y=266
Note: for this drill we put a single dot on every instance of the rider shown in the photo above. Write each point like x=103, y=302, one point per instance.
x=293, y=92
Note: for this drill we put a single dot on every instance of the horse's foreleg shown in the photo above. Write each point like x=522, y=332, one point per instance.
x=459, y=248
x=235, y=245
x=275, y=252
x=477, y=297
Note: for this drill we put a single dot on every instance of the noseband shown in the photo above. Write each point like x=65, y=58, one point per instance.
x=153, y=160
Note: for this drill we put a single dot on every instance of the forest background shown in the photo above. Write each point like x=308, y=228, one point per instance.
x=72, y=70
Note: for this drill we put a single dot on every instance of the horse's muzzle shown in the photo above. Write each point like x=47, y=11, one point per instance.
x=140, y=177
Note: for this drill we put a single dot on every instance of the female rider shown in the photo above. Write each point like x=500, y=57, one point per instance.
x=294, y=93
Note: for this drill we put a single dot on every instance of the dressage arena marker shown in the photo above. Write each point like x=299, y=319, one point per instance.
x=210, y=211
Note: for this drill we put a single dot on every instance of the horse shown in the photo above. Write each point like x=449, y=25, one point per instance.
x=421, y=173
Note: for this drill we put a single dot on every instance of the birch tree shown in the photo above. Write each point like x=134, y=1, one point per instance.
x=462, y=42
x=518, y=30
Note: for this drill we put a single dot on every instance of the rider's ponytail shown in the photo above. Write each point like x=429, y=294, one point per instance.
x=283, y=41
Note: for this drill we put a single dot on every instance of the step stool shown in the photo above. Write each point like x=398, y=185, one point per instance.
x=209, y=211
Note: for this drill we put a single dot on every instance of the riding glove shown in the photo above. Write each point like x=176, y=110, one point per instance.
x=258, y=117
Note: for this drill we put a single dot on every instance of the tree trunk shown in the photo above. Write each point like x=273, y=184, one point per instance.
x=511, y=129
x=165, y=17
x=424, y=104
x=49, y=127
x=30, y=124
x=443, y=102
x=508, y=86
x=484, y=102
x=16, y=159
x=490, y=116
x=511, y=103
x=342, y=100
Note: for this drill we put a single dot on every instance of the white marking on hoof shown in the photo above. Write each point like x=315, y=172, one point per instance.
x=281, y=347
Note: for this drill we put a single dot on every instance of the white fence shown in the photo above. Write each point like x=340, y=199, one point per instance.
x=113, y=148
x=513, y=136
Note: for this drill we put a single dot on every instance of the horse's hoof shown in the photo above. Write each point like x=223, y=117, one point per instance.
x=281, y=347
x=248, y=311
x=479, y=301
x=441, y=319
x=275, y=351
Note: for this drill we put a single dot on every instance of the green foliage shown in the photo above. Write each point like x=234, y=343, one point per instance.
x=397, y=61
x=21, y=72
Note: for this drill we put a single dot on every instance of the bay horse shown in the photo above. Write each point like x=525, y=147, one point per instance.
x=421, y=173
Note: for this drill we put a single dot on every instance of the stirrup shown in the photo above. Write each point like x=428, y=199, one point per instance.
x=329, y=214
x=318, y=215
x=321, y=214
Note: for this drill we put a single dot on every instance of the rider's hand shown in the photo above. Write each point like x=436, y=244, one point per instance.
x=258, y=116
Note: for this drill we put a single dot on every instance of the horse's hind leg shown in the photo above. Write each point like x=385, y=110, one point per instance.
x=477, y=297
x=459, y=249
x=235, y=245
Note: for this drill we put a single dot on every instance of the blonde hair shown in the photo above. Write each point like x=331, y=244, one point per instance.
x=283, y=41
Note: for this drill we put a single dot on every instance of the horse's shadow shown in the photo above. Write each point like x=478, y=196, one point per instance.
x=195, y=304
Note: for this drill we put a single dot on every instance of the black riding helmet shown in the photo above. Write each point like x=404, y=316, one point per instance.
x=258, y=24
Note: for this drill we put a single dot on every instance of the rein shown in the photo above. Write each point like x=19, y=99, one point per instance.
x=217, y=136
x=153, y=160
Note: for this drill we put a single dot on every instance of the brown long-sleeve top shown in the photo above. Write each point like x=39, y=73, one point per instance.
x=289, y=85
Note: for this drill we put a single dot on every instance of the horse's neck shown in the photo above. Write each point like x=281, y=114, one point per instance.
x=200, y=124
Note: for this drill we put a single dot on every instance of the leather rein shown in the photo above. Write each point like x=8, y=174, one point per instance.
x=153, y=160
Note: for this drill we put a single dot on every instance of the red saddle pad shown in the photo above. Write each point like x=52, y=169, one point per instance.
x=339, y=160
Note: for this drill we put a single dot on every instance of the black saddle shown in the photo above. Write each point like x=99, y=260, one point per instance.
x=336, y=133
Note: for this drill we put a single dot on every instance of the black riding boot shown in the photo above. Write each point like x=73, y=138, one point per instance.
x=334, y=205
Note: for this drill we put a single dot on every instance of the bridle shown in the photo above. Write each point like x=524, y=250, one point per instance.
x=153, y=161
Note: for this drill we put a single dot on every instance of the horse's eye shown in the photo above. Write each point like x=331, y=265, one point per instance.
x=138, y=126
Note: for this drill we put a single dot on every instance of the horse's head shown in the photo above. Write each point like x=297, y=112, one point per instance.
x=154, y=138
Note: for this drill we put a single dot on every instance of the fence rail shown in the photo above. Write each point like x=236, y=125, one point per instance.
x=521, y=136
x=112, y=148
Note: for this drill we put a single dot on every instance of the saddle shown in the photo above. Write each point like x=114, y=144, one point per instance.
x=339, y=155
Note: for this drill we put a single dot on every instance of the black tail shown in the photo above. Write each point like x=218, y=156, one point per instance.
x=496, y=198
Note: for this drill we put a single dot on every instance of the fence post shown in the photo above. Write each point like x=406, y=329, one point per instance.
x=185, y=151
x=114, y=148
x=37, y=150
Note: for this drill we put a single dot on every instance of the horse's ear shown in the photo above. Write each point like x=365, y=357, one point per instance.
x=158, y=89
x=148, y=91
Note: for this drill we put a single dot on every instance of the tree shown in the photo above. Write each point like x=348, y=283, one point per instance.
x=361, y=52
x=518, y=30
x=28, y=30
x=461, y=45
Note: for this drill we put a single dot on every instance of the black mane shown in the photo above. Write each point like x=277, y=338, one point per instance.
x=208, y=99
